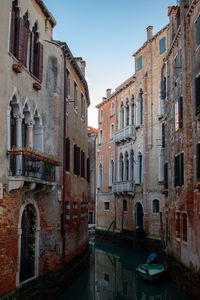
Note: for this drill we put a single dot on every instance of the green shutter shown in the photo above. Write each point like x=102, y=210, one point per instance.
x=180, y=112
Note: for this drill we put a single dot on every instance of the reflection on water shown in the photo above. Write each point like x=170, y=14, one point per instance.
x=111, y=276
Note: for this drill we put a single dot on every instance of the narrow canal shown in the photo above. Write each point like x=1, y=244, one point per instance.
x=111, y=275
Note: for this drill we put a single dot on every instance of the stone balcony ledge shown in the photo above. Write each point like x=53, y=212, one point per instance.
x=124, y=134
x=120, y=187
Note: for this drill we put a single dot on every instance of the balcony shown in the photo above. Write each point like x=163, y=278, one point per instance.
x=124, y=134
x=30, y=166
x=121, y=187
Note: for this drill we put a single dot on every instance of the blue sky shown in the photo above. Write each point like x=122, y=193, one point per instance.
x=105, y=33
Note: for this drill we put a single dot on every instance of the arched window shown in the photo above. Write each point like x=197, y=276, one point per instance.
x=139, y=168
x=132, y=110
x=126, y=166
x=121, y=116
x=139, y=215
x=131, y=165
x=140, y=108
x=100, y=136
x=156, y=206
x=111, y=131
x=121, y=167
x=127, y=112
x=100, y=176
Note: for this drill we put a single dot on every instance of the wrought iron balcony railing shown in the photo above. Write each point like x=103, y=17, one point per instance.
x=31, y=165
x=126, y=133
x=123, y=186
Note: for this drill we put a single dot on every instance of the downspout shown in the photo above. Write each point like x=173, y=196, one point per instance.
x=64, y=161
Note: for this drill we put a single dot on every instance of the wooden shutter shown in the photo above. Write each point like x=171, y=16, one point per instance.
x=198, y=161
x=78, y=160
x=39, y=61
x=12, y=32
x=31, y=52
x=175, y=171
x=67, y=154
x=180, y=112
x=19, y=39
x=181, y=157
x=25, y=52
x=75, y=162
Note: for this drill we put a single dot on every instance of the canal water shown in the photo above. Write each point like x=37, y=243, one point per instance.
x=111, y=275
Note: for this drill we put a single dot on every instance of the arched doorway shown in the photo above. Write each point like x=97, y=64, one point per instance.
x=139, y=216
x=28, y=240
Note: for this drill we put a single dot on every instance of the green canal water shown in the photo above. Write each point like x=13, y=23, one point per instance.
x=111, y=275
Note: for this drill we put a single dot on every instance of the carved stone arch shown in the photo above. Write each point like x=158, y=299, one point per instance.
x=15, y=103
x=30, y=269
x=27, y=112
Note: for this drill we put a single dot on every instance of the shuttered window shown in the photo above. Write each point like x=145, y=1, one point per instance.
x=166, y=175
x=178, y=225
x=75, y=159
x=82, y=164
x=198, y=161
x=179, y=170
x=163, y=135
x=197, y=95
x=36, y=54
x=78, y=159
x=67, y=154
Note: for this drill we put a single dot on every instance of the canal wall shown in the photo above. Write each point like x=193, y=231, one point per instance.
x=51, y=284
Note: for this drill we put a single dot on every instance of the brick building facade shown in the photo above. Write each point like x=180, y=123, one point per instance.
x=42, y=216
x=129, y=161
x=181, y=71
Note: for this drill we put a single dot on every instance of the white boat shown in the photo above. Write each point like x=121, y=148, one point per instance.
x=150, y=272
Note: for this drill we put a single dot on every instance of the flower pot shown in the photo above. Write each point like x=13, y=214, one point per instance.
x=17, y=68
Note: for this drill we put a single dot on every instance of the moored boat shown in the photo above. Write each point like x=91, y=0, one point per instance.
x=150, y=272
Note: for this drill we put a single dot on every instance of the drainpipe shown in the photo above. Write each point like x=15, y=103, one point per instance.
x=64, y=161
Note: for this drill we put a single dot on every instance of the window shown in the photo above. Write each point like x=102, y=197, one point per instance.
x=82, y=107
x=132, y=165
x=121, y=167
x=179, y=114
x=125, y=206
x=121, y=116
x=156, y=206
x=82, y=164
x=140, y=108
x=132, y=110
x=100, y=176
x=88, y=170
x=166, y=175
x=19, y=34
x=179, y=170
x=106, y=277
x=100, y=136
x=198, y=161
x=139, y=63
x=126, y=166
x=163, y=88
x=112, y=131
x=163, y=134
x=162, y=45
x=106, y=205
x=36, y=54
x=101, y=116
x=67, y=154
x=197, y=95
x=111, y=173
x=139, y=168
x=76, y=160
x=127, y=112
x=75, y=96
x=112, y=108
x=67, y=83
x=198, y=30
x=178, y=226
x=185, y=227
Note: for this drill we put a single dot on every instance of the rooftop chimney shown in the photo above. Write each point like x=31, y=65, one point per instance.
x=108, y=93
x=104, y=99
x=149, y=32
